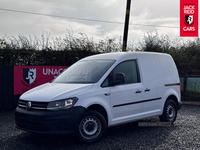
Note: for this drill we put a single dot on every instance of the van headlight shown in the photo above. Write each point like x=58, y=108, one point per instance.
x=62, y=104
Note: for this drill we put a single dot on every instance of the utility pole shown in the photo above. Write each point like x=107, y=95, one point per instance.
x=126, y=25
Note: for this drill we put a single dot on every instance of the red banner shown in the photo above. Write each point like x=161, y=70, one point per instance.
x=28, y=77
x=189, y=18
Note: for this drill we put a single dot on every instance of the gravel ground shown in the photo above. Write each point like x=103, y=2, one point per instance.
x=184, y=134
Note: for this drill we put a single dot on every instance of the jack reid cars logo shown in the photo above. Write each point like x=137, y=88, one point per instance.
x=189, y=20
x=189, y=11
x=29, y=76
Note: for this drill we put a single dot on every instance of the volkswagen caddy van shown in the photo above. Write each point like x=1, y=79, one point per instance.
x=101, y=91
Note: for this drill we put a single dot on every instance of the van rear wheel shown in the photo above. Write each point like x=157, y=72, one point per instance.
x=169, y=112
x=91, y=127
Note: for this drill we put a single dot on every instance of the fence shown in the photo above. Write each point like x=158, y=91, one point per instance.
x=190, y=87
x=8, y=101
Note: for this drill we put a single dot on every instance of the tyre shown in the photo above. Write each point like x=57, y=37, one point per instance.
x=169, y=112
x=91, y=127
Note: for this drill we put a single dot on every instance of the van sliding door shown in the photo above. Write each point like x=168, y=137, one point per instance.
x=153, y=83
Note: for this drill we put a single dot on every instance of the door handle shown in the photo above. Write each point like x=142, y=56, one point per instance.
x=107, y=94
x=138, y=91
x=147, y=90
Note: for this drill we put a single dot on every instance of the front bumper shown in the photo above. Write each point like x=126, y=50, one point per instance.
x=50, y=122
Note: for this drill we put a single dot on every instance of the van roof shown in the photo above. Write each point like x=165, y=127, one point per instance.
x=120, y=55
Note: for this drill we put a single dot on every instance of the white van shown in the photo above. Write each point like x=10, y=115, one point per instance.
x=101, y=91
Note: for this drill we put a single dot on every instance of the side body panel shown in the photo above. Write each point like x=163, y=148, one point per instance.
x=169, y=69
x=153, y=82
x=171, y=77
x=125, y=103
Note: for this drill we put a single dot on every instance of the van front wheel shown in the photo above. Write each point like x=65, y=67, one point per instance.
x=91, y=127
x=169, y=112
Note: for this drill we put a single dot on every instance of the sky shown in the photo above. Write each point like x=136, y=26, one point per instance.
x=145, y=17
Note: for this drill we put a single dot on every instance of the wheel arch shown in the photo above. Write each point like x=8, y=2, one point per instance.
x=173, y=94
x=174, y=98
x=170, y=110
x=100, y=109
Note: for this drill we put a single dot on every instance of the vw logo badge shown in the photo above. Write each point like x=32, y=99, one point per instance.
x=28, y=106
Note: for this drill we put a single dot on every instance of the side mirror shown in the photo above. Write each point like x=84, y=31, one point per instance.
x=119, y=79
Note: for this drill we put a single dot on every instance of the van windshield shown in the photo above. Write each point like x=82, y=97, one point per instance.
x=89, y=71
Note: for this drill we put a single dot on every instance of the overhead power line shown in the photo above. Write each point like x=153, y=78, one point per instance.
x=75, y=18
x=83, y=19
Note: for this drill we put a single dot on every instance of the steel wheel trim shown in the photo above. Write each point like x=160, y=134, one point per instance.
x=90, y=127
x=170, y=112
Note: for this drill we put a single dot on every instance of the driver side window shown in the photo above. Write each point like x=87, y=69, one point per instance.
x=130, y=71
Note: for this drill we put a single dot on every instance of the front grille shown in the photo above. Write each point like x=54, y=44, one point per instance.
x=34, y=105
